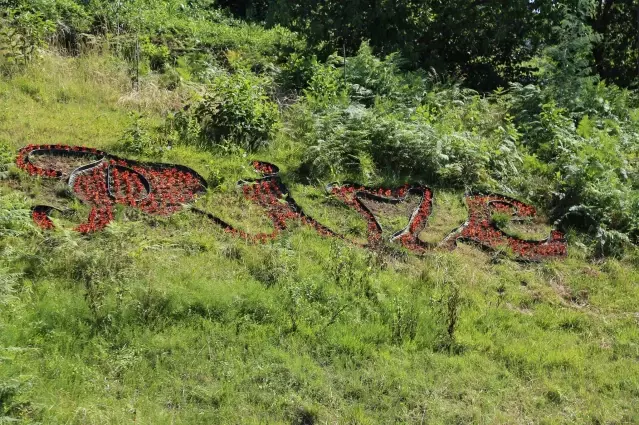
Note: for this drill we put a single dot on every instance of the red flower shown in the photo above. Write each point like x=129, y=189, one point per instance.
x=42, y=220
x=170, y=186
x=480, y=229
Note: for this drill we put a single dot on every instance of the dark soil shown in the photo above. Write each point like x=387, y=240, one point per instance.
x=62, y=163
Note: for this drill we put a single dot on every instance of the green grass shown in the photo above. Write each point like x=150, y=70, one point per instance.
x=64, y=101
x=170, y=320
x=449, y=212
x=330, y=211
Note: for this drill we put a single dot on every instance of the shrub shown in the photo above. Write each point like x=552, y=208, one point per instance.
x=369, y=77
x=378, y=121
x=22, y=32
x=337, y=144
x=7, y=157
x=170, y=79
x=500, y=219
x=326, y=87
x=158, y=55
x=236, y=110
x=15, y=218
x=139, y=140
x=297, y=71
x=583, y=172
x=460, y=145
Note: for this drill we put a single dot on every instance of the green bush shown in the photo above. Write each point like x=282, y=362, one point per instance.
x=7, y=157
x=445, y=136
x=15, y=218
x=170, y=79
x=500, y=219
x=158, y=55
x=337, y=144
x=326, y=87
x=236, y=110
x=22, y=32
x=582, y=172
x=139, y=139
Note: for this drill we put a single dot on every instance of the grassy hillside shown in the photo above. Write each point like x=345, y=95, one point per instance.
x=170, y=320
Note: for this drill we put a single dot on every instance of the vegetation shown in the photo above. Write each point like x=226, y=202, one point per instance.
x=172, y=320
x=488, y=42
x=234, y=110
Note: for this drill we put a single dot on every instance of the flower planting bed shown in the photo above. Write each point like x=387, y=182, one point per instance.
x=161, y=189
x=269, y=192
x=40, y=215
x=104, y=180
x=357, y=196
x=107, y=180
x=480, y=229
x=55, y=161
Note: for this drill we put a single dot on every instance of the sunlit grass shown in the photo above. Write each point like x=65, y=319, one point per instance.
x=170, y=320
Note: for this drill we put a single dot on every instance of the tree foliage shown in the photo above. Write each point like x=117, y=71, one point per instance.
x=487, y=42
x=617, y=52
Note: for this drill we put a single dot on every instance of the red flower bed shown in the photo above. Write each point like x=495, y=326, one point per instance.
x=42, y=219
x=270, y=193
x=23, y=161
x=163, y=189
x=481, y=229
x=264, y=168
x=91, y=188
x=154, y=188
x=352, y=195
x=157, y=189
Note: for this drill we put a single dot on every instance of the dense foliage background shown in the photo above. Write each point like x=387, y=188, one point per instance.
x=166, y=321
x=488, y=42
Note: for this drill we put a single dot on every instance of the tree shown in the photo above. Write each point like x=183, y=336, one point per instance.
x=486, y=41
x=617, y=53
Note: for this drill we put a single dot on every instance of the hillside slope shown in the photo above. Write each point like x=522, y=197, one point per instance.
x=171, y=320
